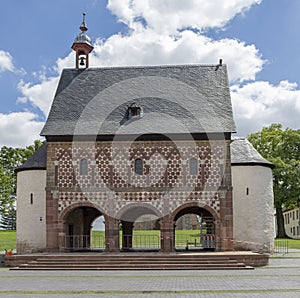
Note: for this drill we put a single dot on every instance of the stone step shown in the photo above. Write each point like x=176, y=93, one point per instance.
x=131, y=261
x=118, y=260
x=133, y=264
x=146, y=261
x=138, y=257
x=222, y=266
x=135, y=268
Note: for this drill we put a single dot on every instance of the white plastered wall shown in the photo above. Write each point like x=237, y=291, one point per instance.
x=253, y=211
x=31, y=211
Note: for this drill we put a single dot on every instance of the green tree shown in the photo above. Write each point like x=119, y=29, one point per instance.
x=7, y=197
x=10, y=159
x=8, y=220
x=282, y=148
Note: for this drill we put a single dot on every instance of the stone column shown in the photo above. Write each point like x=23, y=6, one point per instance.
x=127, y=228
x=112, y=235
x=167, y=234
x=62, y=241
x=52, y=221
x=218, y=235
x=225, y=242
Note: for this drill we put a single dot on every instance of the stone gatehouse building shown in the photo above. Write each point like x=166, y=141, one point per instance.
x=127, y=142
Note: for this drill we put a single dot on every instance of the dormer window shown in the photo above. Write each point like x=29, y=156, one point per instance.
x=134, y=111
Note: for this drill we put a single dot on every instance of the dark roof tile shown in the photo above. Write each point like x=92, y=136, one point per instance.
x=243, y=153
x=37, y=161
x=175, y=99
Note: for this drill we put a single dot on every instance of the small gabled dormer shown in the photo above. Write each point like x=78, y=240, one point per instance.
x=134, y=111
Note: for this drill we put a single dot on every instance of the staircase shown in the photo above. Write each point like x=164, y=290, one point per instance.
x=126, y=262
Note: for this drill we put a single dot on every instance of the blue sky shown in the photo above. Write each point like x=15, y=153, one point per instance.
x=257, y=39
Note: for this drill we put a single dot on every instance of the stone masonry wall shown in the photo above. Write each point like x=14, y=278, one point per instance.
x=111, y=183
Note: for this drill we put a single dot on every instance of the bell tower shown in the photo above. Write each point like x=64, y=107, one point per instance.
x=82, y=46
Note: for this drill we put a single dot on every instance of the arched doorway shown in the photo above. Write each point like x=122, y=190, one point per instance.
x=194, y=229
x=78, y=234
x=140, y=229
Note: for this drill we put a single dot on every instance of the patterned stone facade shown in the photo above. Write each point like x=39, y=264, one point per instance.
x=110, y=183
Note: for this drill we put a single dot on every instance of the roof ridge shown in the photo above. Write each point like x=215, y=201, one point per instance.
x=147, y=66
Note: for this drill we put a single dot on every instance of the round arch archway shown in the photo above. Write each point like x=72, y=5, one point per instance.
x=196, y=227
x=75, y=227
x=140, y=227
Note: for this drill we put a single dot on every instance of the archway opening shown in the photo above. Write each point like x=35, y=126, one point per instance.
x=140, y=230
x=194, y=230
x=78, y=229
x=98, y=233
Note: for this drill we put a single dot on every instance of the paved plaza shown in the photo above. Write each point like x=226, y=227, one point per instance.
x=280, y=279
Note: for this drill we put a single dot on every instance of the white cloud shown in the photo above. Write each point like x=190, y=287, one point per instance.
x=168, y=16
x=166, y=40
x=260, y=104
x=67, y=62
x=145, y=47
x=148, y=46
x=40, y=95
x=19, y=129
x=6, y=61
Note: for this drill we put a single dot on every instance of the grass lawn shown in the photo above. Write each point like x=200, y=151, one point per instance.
x=7, y=240
x=292, y=243
x=144, y=237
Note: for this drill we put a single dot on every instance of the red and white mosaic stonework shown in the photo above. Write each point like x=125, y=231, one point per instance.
x=166, y=183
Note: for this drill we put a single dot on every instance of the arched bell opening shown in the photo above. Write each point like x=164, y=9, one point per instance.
x=140, y=229
x=194, y=230
x=79, y=236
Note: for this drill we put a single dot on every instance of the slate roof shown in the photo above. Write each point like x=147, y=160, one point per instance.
x=37, y=161
x=243, y=153
x=175, y=99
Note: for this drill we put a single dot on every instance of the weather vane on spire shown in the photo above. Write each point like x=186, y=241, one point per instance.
x=83, y=26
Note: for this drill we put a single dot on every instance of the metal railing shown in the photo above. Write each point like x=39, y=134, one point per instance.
x=186, y=241
x=195, y=241
x=140, y=242
x=208, y=241
x=82, y=242
x=98, y=242
x=281, y=246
